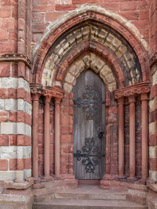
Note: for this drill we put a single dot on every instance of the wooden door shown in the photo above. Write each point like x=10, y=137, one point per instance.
x=89, y=126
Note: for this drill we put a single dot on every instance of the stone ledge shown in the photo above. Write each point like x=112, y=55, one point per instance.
x=138, y=187
x=19, y=186
x=16, y=58
x=16, y=201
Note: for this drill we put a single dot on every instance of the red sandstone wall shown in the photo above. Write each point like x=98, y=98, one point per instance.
x=47, y=11
x=14, y=88
x=153, y=94
x=153, y=26
x=8, y=26
x=67, y=134
x=111, y=136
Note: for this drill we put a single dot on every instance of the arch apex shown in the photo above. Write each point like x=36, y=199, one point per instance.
x=87, y=8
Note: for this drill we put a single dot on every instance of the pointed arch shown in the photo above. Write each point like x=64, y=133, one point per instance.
x=116, y=25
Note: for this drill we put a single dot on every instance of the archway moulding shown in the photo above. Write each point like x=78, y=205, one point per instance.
x=82, y=52
x=93, y=62
x=115, y=21
x=96, y=9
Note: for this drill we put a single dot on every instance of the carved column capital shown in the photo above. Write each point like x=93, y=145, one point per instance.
x=144, y=97
x=48, y=98
x=120, y=101
x=35, y=96
x=36, y=91
x=133, y=90
x=132, y=99
x=57, y=101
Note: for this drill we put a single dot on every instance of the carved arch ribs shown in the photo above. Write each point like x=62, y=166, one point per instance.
x=93, y=62
x=96, y=34
x=80, y=31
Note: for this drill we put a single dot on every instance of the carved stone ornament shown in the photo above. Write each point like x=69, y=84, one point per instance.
x=36, y=88
x=54, y=92
x=15, y=58
x=132, y=90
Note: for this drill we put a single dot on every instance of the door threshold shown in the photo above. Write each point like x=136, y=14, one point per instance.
x=88, y=182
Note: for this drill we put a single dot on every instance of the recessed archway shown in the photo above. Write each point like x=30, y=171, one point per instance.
x=94, y=34
x=90, y=40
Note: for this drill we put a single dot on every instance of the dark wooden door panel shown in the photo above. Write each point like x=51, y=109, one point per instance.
x=89, y=126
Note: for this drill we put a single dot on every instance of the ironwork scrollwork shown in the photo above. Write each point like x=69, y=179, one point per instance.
x=90, y=102
x=90, y=154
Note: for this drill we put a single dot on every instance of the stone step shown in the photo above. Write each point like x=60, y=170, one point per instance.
x=89, y=196
x=86, y=204
x=86, y=192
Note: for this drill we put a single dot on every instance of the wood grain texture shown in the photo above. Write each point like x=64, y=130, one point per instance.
x=89, y=128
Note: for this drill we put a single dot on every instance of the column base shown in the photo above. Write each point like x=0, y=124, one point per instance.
x=17, y=194
x=48, y=178
x=37, y=180
x=64, y=176
x=22, y=185
x=109, y=177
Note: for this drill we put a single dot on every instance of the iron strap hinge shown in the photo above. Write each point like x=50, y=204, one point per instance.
x=78, y=155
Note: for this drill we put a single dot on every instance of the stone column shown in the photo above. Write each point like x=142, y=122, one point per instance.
x=121, y=135
x=35, y=134
x=57, y=136
x=144, y=109
x=132, y=135
x=47, y=136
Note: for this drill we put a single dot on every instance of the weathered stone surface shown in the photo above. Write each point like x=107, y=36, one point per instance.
x=74, y=70
x=93, y=62
x=153, y=151
x=69, y=78
x=153, y=175
x=15, y=128
x=68, y=87
x=14, y=83
x=96, y=33
x=14, y=152
x=153, y=104
x=16, y=201
x=153, y=127
x=155, y=78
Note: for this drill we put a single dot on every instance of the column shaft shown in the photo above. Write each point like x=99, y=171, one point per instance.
x=144, y=136
x=57, y=136
x=47, y=136
x=121, y=135
x=132, y=135
x=35, y=134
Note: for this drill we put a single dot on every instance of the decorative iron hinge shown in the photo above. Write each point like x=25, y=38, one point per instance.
x=79, y=155
x=90, y=155
x=90, y=102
